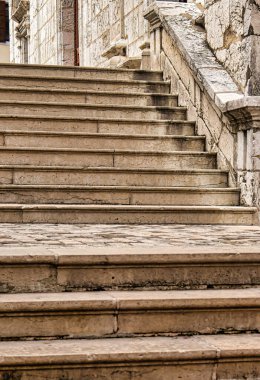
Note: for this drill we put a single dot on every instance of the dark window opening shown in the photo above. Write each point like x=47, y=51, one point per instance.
x=4, y=21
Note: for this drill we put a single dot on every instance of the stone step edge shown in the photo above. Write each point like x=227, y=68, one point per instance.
x=127, y=82
x=114, y=170
x=100, y=135
x=91, y=106
x=107, y=151
x=160, y=350
x=187, y=189
x=76, y=68
x=89, y=92
x=115, y=301
x=166, y=122
x=124, y=256
x=125, y=208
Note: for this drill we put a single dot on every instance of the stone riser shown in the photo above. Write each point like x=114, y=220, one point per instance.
x=73, y=269
x=113, y=159
x=102, y=142
x=192, y=358
x=93, y=214
x=102, y=177
x=97, y=126
x=120, y=197
x=92, y=111
x=79, y=72
x=91, y=98
x=87, y=85
x=118, y=314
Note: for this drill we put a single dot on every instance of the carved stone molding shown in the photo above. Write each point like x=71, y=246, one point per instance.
x=20, y=9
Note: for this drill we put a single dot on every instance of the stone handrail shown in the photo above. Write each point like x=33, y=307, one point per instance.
x=229, y=118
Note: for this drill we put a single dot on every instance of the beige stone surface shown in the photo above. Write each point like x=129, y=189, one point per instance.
x=129, y=313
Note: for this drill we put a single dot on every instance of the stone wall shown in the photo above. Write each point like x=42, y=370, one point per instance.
x=229, y=119
x=110, y=32
x=109, y=29
x=43, y=32
x=233, y=32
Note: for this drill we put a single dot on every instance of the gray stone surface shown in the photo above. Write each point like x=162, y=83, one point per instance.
x=29, y=235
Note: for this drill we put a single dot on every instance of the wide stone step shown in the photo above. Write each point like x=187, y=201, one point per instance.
x=41, y=194
x=97, y=125
x=61, y=175
x=67, y=269
x=118, y=214
x=101, y=141
x=91, y=110
x=115, y=314
x=66, y=72
x=107, y=158
x=207, y=357
x=91, y=84
x=81, y=96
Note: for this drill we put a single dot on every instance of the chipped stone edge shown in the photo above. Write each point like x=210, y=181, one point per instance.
x=226, y=101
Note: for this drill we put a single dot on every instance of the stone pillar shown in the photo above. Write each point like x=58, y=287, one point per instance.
x=244, y=116
x=233, y=33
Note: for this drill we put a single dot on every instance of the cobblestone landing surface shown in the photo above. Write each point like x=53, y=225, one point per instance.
x=13, y=235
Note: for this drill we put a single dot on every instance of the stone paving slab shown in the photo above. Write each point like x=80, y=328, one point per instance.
x=52, y=235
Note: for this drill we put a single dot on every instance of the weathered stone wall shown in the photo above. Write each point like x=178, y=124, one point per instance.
x=110, y=28
x=43, y=32
x=233, y=32
x=110, y=32
x=229, y=119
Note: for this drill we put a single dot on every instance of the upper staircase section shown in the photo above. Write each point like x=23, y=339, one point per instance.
x=87, y=145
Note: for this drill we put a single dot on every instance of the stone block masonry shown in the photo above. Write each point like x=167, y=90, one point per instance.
x=233, y=33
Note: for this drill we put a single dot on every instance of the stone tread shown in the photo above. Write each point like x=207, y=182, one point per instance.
x=109, y=169
x=165, y=122
x=138, y=350
x=121, y=188
x=75, y=69
x=108, y=151
x=115, y=255
x=99, y=135
x=88, y=92
x=131, y=300
x=129, y=208
x=127, y=82
x=90, y=106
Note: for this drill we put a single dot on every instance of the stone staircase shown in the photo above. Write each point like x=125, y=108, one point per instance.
x=115, y=156
x=105, y=146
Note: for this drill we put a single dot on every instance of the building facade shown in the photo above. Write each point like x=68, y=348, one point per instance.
x=85, y=32
x=4, y=31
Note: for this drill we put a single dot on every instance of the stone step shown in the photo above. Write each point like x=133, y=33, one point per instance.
x=56, y=268
x=107, y=158
x=41, y=194
x=122, y=313
x=60, y=175
x=208, y=357
x=118, y=214
x=91, y=110
x=82, y=96
x=78, y=72
x=97, y=125
x=91, y=84
x=101, y=141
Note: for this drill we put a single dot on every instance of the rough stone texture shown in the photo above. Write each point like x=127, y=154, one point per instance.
x=13, y=235
x=233, y=32
x=213, y=99
x=103, y=28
